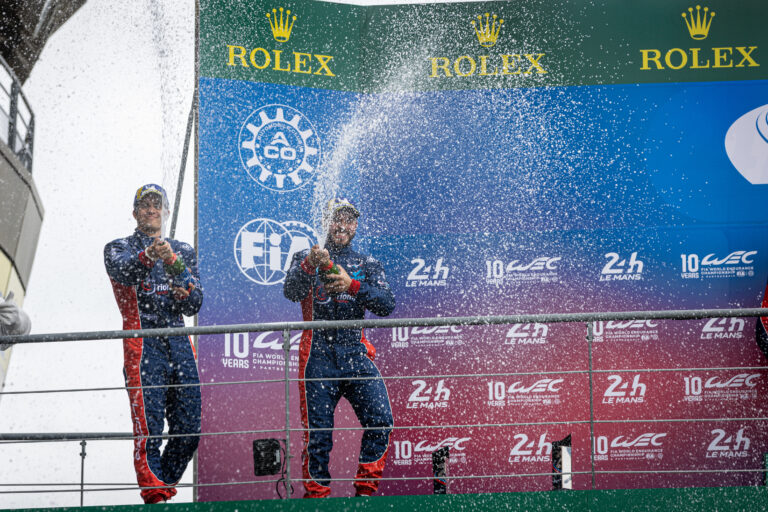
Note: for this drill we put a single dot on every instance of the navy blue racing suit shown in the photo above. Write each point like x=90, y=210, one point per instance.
x=761, y=327
x=336, y=355
x=146, y=301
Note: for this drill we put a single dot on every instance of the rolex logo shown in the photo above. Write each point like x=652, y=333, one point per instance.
x=698, y=26
x=487, y=33
x=281, y=28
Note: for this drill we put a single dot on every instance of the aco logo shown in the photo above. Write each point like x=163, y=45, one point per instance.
x=264, y=248
x=279, y=148
x=698, y=23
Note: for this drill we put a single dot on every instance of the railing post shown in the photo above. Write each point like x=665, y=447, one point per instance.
x=287, y=357
x=590, y=336
x=13, y=111
x=82, y=471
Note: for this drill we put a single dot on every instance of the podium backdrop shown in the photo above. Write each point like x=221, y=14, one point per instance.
x=545, y=157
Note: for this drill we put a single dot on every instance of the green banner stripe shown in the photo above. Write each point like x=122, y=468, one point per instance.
x=679, y=500
x=436, y=46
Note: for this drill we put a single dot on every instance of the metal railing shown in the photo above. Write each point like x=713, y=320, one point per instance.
x=287, y=327
x=17, y=121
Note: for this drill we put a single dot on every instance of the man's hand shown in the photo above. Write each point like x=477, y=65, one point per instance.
x=159, y=250
x=180, y=293
x=338, y=283
x=318, y=257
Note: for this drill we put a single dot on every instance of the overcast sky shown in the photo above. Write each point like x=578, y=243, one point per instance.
x=111, y=94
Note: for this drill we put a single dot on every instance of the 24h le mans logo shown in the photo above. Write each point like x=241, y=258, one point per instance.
x=279, y=148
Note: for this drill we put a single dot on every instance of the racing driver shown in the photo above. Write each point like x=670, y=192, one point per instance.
x=148, y=299
x=338, y=283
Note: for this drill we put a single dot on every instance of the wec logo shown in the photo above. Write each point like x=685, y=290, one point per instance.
x=406, y=454
x=542, y=263
x=735, y=258
x=738, y=381
x=455, y=443
x=735, y=264
x=599, y=328
x=642, y=441
x=406, y=333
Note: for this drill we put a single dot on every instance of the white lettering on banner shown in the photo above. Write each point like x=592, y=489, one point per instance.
x=403, y=337
x=425, y=397
x=260, y=350
x=427, y=275
x=647, y=446
x=527, y=334
x=543, y=269
x=629, y=330
x=728, y=446
x=734, y=265
x=618, y=391
x=721, y=389
x=618, y=269
x=523, y=450
x=407, y=454
x=540, y=392
x=723, y=328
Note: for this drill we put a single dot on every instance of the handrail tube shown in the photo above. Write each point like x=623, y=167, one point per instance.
x=115, y=436
x=547, y=318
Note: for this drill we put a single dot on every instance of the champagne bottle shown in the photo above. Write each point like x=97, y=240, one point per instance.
x=327, y=270
x=175, y=266
x=178, y=272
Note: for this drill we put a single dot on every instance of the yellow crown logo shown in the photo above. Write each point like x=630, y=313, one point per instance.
x=281, y=30
x=487, y=34
x=698, y=27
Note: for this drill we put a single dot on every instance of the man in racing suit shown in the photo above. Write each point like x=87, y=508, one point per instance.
x=138, y=267
x=761, y=327
x=338, y=354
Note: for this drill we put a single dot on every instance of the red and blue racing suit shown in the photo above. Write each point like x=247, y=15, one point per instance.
x=146, y=301
x=337, y=355
x=761, y=328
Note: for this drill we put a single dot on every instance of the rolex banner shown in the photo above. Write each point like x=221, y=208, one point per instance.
x=534, y=156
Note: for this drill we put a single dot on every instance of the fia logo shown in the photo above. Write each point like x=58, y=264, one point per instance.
x=523, y=450
x=427, y=275
x=264, y=248
x=424, y=397
x=728, y=446
x=527, y=334
x=279, y=148
x=618, y=269
x=619, y=392
x=723, y=328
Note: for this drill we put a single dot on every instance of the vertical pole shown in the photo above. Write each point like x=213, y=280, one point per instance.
x=82, y=471
x=590, y=336
x=287, y=355
x=13, y=112
x=195, y=474
x=182, y=168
